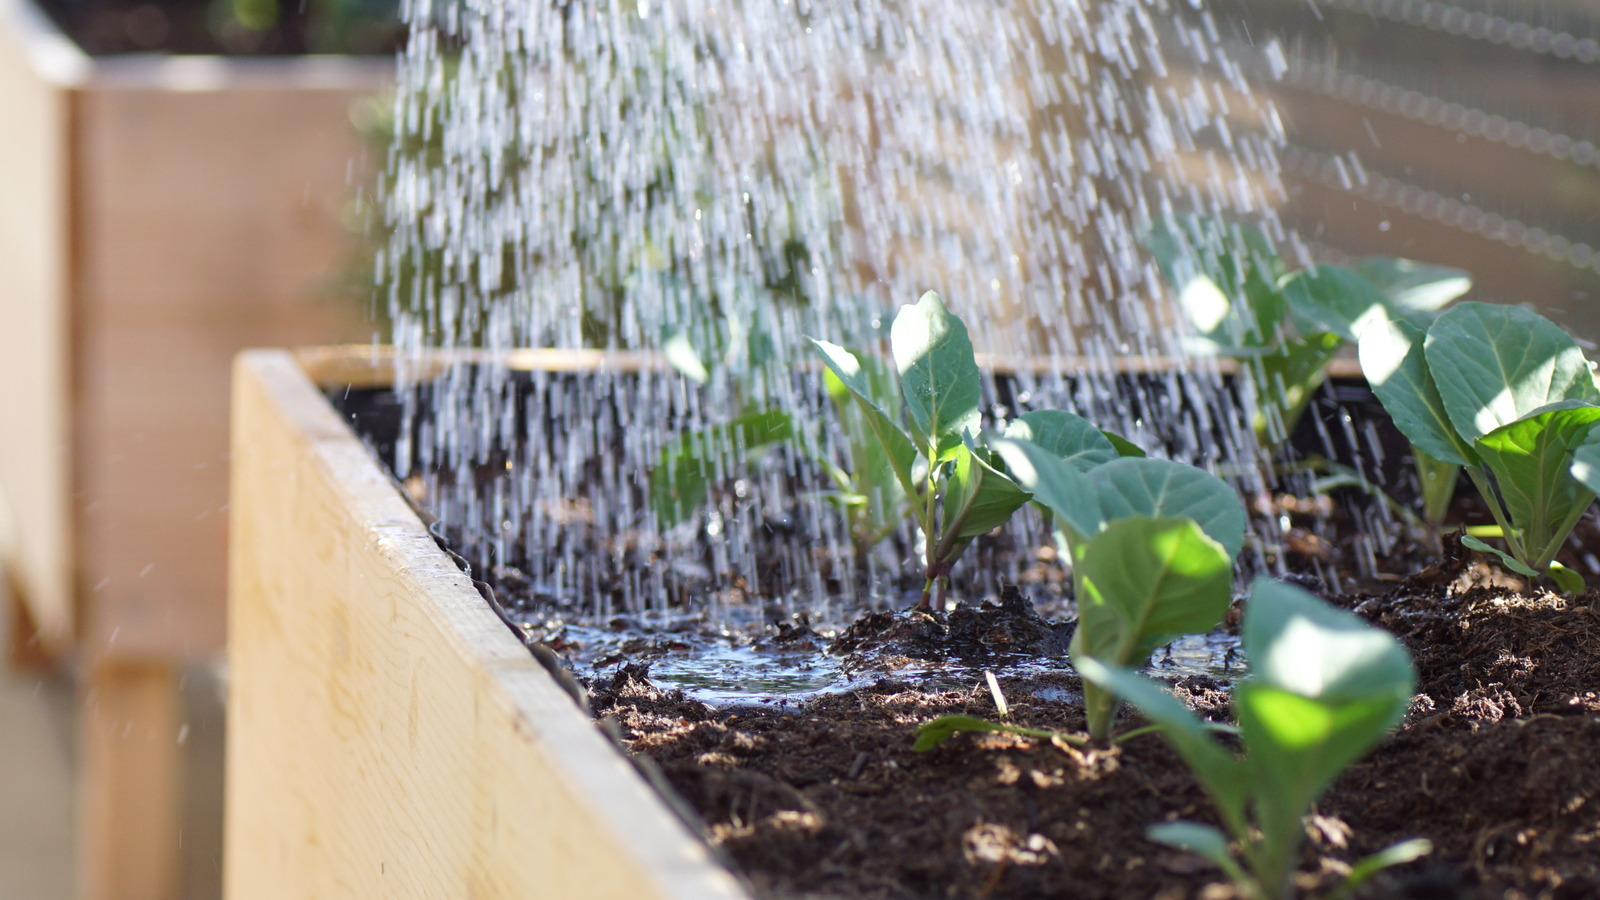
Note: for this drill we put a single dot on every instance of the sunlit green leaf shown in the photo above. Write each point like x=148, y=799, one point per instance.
x=1300, y=644
x=1332, y=299
x=1146, y=581
x=939, y=377
x=897, y=448
x=1531, y=460
x=1226, y=276
x=872, y=478
x=979, y=498
x=1059, y=485
x=1134, y=486
x=1413, y=288
x=1393, y=362
x=1071, y=437
x=1496, y=364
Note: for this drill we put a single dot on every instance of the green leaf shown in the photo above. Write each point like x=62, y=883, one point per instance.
x=1325, y=688
x=1298, y=744
x=1414, y=289
x=1201, y=840
x=1067, y=492
x=938, y=375
x=1124, y=446
x=1298, y=643
x=1285, y=379
x=1586, y=462
x=979, y=498
x=1071, y=437
x=935, y=732
x=1393, y=855
x=897, y=448
x=1220, y=772
x=1496, y=364
x=1531, y=460
x=874, y=484
x=1134, y=486
x=1332, y=299
x=1568, y=581
x=1506, y=559
x=1226, y=276
x=1146, y=581
x=1393, y=361
x=1142, y=582
x=680, y=479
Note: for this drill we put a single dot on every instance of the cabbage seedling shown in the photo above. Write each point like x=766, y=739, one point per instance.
x=1324, y=687
x=1508, y=395
x=955, y=488
x=1283, y=325
x=1152, y=544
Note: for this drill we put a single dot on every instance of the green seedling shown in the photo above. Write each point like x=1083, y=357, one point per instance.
x=868, y=492
x=688, y=465
x=1283, y=326
x=1324, y=688
x=1508, y=395
x=955, y=492
x=1152, y=544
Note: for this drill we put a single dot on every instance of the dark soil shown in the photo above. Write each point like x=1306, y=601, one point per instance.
x=1498, y=764
x=229, y=27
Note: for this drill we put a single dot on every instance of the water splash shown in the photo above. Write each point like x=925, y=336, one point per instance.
x=713, y=179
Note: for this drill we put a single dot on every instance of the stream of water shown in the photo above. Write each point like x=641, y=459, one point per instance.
x=710, y=181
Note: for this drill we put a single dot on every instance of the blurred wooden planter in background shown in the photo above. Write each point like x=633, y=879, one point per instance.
x=387, y=734
x=159, y=214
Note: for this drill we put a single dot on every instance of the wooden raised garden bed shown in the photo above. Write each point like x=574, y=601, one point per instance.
x=161, y=213
x=387, y=735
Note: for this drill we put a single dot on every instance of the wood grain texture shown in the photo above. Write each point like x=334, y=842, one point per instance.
x=208, y=221
x=387, y=736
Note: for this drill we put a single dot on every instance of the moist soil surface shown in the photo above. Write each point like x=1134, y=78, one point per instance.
x=1498, y=764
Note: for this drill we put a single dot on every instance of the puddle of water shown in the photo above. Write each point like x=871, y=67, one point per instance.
x=747, y=668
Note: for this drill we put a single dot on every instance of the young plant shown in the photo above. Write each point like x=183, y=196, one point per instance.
x=1152, y=544
x=1282, y=325
x=1324, y=688
x=1508, y=395
x=956, y=493
x=868, y=492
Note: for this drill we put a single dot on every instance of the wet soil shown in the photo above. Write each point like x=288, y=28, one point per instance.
x=821, y=794
x=1498, y=764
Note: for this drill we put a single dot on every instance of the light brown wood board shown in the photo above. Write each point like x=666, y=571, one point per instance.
x=388, y=736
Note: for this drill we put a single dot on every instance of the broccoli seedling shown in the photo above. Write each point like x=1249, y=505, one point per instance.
x=1324, y=688
x=1508, y=395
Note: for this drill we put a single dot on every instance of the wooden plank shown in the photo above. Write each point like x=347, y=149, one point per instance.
x=387, y=735
x=201, y=231
x=128, y=841
x=36, y=542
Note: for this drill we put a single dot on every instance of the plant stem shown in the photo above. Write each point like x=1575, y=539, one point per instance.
x=930, y=539
x=1491, y=498
x=1438, y=482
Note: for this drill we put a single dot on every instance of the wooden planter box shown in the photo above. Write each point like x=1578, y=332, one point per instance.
x=387, y=734
x=159, y=215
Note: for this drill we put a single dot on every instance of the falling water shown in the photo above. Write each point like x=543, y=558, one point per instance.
x=708, y=181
